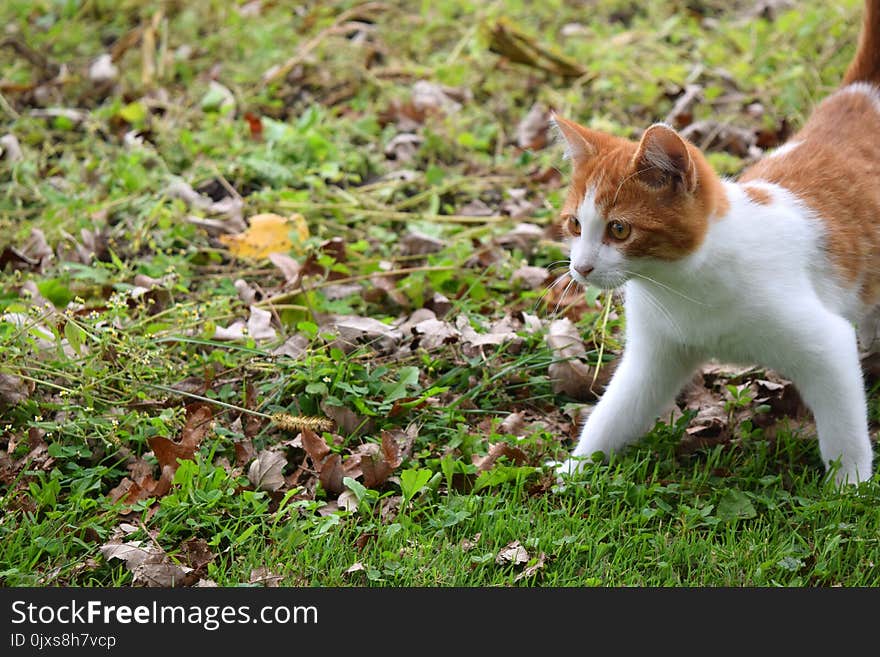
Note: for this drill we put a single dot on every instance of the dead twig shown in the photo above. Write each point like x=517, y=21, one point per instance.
x=340, y=25
x=48, y=68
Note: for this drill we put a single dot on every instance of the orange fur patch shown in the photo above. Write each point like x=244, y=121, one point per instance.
x=835, y=171
x=758, y=195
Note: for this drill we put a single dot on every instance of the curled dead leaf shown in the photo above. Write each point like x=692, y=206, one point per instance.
x=289, y=268
x=353, y=330
x=569, y=375
x=149, y=564
x=533, y=277
x=416, y=243
x=512, y=553
x=532, y=570
x=380, y=464
x=513, y=424
x=264, y=576
x=142, y=484
x=266, y=471
x=496, y=451
x=328, y=465
x=532, y=133
x=13, y=390
x=435, y=333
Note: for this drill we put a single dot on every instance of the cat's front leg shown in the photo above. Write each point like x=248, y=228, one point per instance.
x=647, y=380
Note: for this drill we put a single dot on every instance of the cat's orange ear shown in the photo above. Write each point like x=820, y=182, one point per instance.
x=579, y=145
x=663, y=159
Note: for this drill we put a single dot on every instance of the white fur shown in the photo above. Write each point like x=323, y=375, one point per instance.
x=588, y=250
x=787, y=147
x=868, y=89
x=758, y=290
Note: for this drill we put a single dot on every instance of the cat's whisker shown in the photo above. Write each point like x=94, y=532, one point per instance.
x=548, y=289
x=561, y=297
x=635, y=173
x=668, y=288
x=661, y=309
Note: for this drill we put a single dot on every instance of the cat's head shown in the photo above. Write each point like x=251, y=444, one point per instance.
x=633, y=206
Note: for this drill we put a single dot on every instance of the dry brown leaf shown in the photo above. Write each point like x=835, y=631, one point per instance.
x=266, y=472
x=570, y=375
x=524, y=236
x=513, y=424
x=513, y=553
x=435, y=333
x=289, y=268
x=10, y=148
x=533, y=277
x=229, y=207
x=532, y=133
x=432, y=97
x=496, y=451
x=710, y=425
x=530, y=571
x=517, y=206
x=354, y=330
x=416, y=243
x=102, y=70
x=13, y=390
x=246, y=292
x=328, y=466
x=468, y=544
x=380, y=465
x=331, y=474
x=715, y=136
x=264, y=576
x=476, y=208
x=356, y=567
x=162, y=574
x=497, y=334
x=133, y=553
x=259, y=324
x=439, y=304
x=387, y=288
x=403, y=147
x=149, y=564
x=196, y=552
x=37, y=248
x=347, y=421
x=294, y=347
x=316, y=447
x=681, y=114
x=198, y=423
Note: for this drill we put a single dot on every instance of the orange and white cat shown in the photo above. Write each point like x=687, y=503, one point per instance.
x=777, y=268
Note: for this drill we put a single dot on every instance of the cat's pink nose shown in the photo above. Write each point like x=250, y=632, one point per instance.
x=584, y=271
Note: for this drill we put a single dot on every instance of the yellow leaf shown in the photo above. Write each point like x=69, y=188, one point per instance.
x=268, y=233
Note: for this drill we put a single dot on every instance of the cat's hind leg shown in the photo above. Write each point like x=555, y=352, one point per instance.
x=823, y=362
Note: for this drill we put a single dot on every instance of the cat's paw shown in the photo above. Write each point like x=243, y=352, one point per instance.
x=852, y=475
x=570, y=466
x=567, y=468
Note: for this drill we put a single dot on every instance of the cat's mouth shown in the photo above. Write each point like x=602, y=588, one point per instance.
x=602, y=280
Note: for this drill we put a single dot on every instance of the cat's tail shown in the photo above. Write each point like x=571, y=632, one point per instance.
x=865, y=66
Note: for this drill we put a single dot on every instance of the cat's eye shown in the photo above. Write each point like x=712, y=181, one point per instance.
x=619, y=230
x=572, y=224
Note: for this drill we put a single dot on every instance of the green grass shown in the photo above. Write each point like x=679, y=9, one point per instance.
x=106, y=370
